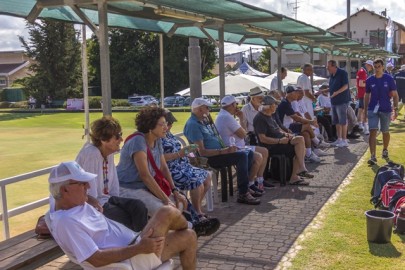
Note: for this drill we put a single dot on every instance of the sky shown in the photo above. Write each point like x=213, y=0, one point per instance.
x=320, y=13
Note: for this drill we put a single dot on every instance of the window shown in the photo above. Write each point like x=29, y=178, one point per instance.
x=3, y=81
x=377, y=38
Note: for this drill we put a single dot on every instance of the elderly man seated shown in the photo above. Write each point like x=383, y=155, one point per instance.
x=87, y=235
x=298, y=124
x=279, y=142
x=233, y=134
x=210, y=145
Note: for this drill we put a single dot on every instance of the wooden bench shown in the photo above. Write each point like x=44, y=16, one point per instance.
x=25, y=251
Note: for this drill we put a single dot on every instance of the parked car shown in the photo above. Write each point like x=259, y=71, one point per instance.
x=141, y=101
x=173, y=101
x=213, y=101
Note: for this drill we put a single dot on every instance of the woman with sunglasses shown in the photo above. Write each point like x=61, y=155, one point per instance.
x=185, y=176
x=98, y=157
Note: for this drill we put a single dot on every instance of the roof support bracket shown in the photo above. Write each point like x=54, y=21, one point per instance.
x=172, y=30
x=86, y=20
x=217, y=43
x=34, y=13
x=271, y=46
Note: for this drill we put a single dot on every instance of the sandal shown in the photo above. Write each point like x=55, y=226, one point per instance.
x=203, y=217
x=305, y=174
x=299, y=183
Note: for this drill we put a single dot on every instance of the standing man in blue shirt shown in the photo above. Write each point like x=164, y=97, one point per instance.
x=340, y=98
x=379, y=89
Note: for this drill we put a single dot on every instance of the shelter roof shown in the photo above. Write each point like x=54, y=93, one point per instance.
x=242, y=23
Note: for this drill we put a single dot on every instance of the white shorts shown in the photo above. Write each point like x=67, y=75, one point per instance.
x=144, y=261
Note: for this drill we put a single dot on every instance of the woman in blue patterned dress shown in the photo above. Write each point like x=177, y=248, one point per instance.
x=185, y=176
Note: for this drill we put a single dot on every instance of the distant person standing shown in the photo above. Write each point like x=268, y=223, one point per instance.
x=389, y=69
x=340, y=98
x=304, y=81
x=361, y=78
x=400, y=81
x=379, y=89
x=278, y=93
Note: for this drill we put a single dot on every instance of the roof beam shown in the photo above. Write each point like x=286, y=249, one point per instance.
x=86, y=20
x=34, y=13
x=271, y=46
x=253, y=20
x=217, y=43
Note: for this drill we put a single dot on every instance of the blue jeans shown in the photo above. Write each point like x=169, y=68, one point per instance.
x=243, y=160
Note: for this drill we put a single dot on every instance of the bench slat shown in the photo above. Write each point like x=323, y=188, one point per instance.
x=29, y=253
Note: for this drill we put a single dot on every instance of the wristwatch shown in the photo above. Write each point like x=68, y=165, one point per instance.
x=175, y=189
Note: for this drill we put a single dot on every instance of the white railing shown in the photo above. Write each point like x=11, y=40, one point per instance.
x=6, y=214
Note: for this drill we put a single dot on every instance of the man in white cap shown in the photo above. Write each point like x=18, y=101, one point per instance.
x=199, y=130
x=233, y=134
x=361, y=77
x=399, y=78
x=87, y=235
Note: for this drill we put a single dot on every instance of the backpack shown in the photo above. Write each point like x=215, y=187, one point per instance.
x=399, y=219
x=398, y=168
x=380, y=180
x=388, y=192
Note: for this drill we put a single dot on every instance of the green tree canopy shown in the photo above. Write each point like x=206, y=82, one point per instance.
x=264, y=62
x=134, y=63
x=55, y=48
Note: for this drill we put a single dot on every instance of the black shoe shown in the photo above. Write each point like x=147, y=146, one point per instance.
x=248, y=199
x=356, y=128
x=255, y=188
x=268, y=184
x=206, y=227
x=353, y=135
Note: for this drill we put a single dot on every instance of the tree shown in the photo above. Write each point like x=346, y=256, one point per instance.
x=134, y=63
x=264, y=62
x=56, y=52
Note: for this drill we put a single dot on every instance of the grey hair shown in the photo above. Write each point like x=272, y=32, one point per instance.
x=54, y=189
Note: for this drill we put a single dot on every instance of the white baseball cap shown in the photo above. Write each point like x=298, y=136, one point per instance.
x=197, y=102
x=403, y=67
x=370, y=62
x=70, y=170
x=227, y=100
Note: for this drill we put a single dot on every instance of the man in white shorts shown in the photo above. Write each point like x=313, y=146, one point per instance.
x=304, y=82
x=87, y=235
x=233, y=134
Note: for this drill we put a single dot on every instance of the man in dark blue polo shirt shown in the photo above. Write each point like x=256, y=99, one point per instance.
x=340, y=98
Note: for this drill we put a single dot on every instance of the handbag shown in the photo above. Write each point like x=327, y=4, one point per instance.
x=41, y=229
x=159, y=177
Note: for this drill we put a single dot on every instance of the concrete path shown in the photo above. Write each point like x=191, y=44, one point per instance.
x=257, y=237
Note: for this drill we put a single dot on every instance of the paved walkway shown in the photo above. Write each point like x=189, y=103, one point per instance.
x=257, y=237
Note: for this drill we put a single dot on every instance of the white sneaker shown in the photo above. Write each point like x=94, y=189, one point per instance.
x=335, y=143
x=312, y=158
x=366, y=131
x=323, y=144
x=343, y=143
x=319, y=152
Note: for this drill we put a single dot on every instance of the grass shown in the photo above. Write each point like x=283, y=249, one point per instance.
x=338, y=240
x=32, y=141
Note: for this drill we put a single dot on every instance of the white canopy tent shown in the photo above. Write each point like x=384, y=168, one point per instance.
x=235, y=83
x=292, y=77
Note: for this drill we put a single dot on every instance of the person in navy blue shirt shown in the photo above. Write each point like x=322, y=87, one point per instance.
x=340, y=99
x=380, y=88
x=399, y=78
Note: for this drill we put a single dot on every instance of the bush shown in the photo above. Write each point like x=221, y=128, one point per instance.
x=95, y=102
x=20, y=104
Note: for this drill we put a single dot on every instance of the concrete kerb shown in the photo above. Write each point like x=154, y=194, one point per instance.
x=317, y=221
